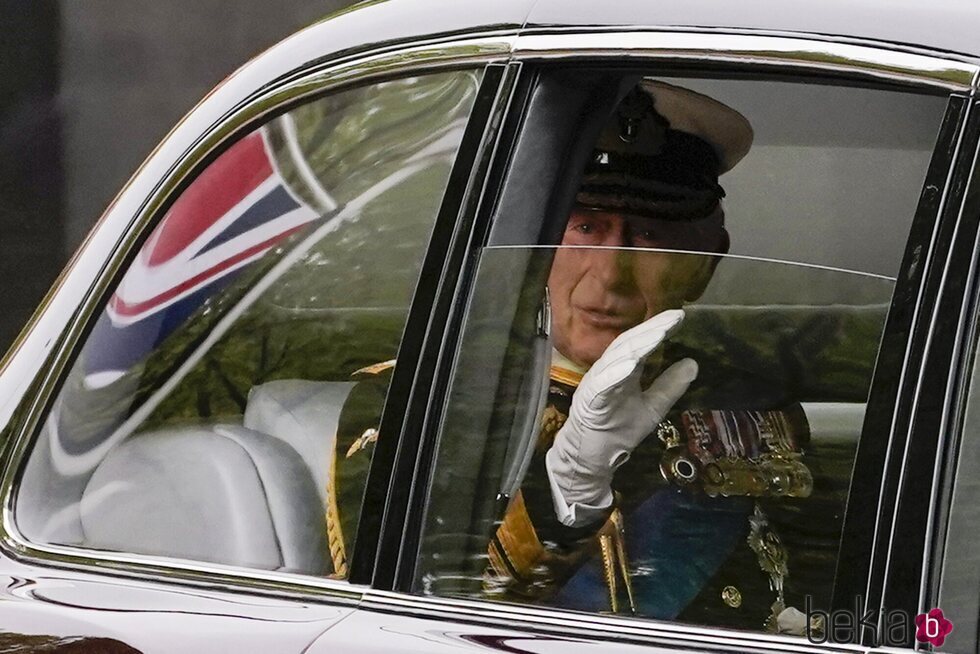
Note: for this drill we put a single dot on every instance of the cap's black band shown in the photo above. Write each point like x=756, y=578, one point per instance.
x=683, y=160
x=611, y=198
x=678, y=182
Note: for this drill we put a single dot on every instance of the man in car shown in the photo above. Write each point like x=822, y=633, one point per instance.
x=610, y=518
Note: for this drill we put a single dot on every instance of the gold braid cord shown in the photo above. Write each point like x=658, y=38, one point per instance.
x=623, y=567
x=335, y=533
x=609, y=570
x=615, y=564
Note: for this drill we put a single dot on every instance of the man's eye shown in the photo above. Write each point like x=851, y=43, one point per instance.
x=647, y=236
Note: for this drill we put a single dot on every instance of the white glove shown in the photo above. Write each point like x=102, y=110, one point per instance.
x=610, y=415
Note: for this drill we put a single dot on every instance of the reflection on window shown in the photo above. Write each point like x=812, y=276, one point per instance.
x=225, y=406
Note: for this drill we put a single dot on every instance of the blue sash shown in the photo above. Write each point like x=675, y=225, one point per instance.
x=675, y=541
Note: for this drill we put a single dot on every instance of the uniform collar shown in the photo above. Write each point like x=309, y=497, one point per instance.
x=564, y=370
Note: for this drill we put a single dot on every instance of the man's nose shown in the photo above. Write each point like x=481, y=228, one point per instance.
x=613, y=266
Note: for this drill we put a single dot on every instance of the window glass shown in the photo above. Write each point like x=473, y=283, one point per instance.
x=831, y=169
x=225, y=406
x=657, y=413
x=959, y=589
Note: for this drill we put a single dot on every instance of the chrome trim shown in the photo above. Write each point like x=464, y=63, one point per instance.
x=324, y=200
x=674, y=635
x=211, y=575
x=744, y=49
x=25, y=422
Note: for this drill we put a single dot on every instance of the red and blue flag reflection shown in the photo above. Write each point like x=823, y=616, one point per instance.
x=229, y=216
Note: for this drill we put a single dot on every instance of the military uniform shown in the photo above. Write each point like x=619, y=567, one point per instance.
x=678, y=549
x=688, y=536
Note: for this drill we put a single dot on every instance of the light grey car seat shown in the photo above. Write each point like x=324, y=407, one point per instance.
x=249, y=495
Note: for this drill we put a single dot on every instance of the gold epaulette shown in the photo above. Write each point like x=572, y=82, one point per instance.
x=369, y=436
x=375, y=368
x=516, y=550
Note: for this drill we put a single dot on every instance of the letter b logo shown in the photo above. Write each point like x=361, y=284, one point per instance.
x=932, y=627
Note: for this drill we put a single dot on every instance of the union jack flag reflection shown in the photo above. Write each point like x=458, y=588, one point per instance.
x=232, y=214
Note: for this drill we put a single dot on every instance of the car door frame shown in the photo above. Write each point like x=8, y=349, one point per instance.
x=908, y=539
x=895, y=408
x=943, y=428
x=904, y=405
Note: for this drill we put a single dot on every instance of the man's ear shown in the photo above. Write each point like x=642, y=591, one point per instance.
x=706, y=268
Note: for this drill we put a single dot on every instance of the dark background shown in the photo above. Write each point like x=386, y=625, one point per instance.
x=87, y=89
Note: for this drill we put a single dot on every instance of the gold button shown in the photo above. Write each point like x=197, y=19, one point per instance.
x=731, y=596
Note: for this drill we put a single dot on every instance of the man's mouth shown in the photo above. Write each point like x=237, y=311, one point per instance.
x=606, y=319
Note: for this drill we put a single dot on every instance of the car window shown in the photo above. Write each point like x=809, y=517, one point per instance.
x=225, y=405
x=655, y=408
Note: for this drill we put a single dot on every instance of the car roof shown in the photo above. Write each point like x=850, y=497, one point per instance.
x=946, y=25
x=949, y=26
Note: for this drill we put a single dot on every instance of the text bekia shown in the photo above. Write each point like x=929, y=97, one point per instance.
x=883, y=628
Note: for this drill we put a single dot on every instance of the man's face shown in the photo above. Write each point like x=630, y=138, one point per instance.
x=608, y=283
